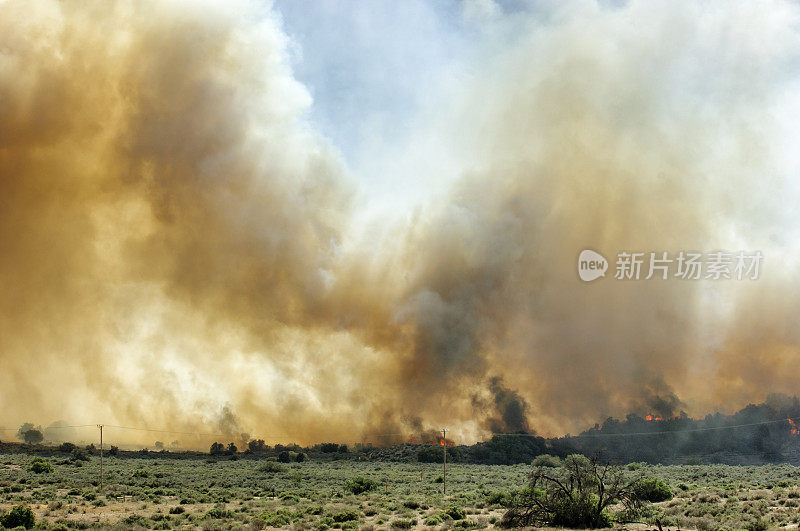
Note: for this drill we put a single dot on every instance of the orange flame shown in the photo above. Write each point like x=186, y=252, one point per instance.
x=442, y=442
x=651, y=418
x=793, y=427
x=411, y=439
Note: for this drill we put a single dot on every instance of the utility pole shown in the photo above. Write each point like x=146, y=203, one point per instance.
x=101, y=455
x=444, y=461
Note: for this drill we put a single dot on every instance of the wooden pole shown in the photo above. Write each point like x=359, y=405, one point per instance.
x=101, y=455
x=444, y=461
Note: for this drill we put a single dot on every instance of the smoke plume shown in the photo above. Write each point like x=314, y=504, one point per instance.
x=177, y=245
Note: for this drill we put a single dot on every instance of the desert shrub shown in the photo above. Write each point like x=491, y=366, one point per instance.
x=218, y=513
x=439, y=479
x=756, y=525
x=498, y=498
x=19, y=516
x=66, y=447
x=345, y=516
x=114, y=450
x=177, y=510
x=279, y=518
x=651, y=490
x=141, y=474
x=576, y=495
x=403, y=524
x=361, y=485
x=271, y=467
x=456, y=513
x=41, y=466
x=79, y=455
x=547, y=460
x=433, y=520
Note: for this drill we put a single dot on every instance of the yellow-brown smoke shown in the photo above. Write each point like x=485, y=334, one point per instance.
x=176, y=250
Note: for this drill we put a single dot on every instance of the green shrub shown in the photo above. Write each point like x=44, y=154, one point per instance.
x=403, y=524
x=498, y=498
x=756, y=525
x=361, y=485
x=271, y=467
x=433, y=520
x=345, y=516
x=279, y=518
x=19, y=516
x=79, y=455
x=652, y=490
x=218, y=513
x=300, y=457
x=41, y=466
x=547, y=460
x=66, y=447
x=456, y=513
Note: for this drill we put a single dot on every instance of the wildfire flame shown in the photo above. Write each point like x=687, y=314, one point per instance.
x=411, y=439
x=651, y=418
x=793, y=427
x=442, y=442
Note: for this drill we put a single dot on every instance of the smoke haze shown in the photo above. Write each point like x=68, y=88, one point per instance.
x=180, y=247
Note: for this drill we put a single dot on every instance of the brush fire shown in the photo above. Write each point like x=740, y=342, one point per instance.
x=308, y=231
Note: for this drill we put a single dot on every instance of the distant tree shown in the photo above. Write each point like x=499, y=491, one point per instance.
x=285, y=457
x=159, y=445
x=33, y=437
x=328, y=448
x=232, y=449
x=30, y=434
x=343, y=449
x=257, y=445
x=300, y=457
x=91, y=448
x=217, y=448
x=114, y=450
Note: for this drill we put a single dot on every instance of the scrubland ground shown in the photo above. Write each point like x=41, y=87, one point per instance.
x=164, y=493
